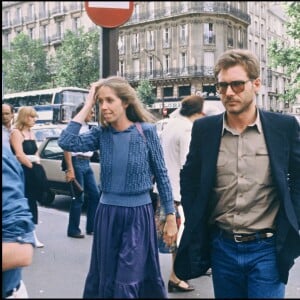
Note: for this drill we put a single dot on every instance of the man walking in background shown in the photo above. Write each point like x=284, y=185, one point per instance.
x=78, y=167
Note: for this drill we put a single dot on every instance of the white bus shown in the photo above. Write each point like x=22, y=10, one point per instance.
x=56, y=105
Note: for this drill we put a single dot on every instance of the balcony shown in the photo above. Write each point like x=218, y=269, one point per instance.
x=213, y=8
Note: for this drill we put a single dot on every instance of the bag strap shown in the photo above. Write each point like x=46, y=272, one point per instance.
x=140, y=129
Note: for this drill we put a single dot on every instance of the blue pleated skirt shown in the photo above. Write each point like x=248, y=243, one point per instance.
x=124, y=261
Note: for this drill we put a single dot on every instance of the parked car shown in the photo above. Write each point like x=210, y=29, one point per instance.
x=51, y=156
x=43, y=131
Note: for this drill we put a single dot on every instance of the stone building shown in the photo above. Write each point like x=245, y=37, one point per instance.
x=174, y=44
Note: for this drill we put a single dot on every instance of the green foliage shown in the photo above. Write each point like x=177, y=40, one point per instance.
x=25, y=65
x=289, y=57
x=77, y=60
x=145, y=92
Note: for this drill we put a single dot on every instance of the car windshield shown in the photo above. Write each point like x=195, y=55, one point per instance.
x=42, y=134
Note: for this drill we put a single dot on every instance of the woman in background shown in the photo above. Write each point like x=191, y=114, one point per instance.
x=23, y=144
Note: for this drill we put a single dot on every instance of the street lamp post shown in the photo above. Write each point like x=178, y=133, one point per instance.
x=162, y=76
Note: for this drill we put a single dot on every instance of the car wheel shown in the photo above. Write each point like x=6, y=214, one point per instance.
x=47, y=198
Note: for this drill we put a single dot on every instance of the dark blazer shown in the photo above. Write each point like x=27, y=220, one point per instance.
x=197, y=178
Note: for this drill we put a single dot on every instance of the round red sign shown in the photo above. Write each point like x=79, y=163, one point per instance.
x=109, y=14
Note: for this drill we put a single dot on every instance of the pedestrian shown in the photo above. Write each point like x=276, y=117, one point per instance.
x=7, y=117
x=240, y=190
x=175, y=140
x=79, y=168
x=124, y=259
x=17, y=227
x=23, y=143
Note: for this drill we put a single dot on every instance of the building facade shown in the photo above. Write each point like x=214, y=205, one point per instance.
x=173, y=44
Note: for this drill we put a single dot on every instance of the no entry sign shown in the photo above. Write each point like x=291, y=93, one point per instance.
x=109, y=14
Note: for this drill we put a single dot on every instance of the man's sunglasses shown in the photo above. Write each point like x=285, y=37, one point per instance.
x=237, y=86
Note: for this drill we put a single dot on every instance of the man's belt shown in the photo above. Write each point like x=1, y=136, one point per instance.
x=240, y=238
x=82, y=157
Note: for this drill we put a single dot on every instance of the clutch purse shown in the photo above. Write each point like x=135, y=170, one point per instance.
x=75, y=188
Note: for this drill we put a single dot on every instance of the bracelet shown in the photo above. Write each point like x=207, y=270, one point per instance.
x=171, y=213
x=67, y=171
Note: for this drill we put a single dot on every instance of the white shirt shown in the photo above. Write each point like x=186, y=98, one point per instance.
x=175, y=141
x=84, y=128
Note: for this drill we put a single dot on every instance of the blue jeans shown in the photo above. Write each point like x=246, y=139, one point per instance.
x=245, y=270
x=85, y=177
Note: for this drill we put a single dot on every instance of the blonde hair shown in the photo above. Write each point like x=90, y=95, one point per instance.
x=23, y=113
x=135, y=110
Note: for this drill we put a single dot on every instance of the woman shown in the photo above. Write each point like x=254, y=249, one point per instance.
x=23, y=144
x=124, y=259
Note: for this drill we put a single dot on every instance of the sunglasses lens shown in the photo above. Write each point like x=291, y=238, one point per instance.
x=238, y=86
x=222, y=87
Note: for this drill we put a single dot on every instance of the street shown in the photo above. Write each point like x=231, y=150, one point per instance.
x=60, y=268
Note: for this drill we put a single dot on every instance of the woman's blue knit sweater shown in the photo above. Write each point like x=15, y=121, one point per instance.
x=145, y=158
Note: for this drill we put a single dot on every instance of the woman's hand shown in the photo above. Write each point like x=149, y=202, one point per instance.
x=81, y=116
x=91, y=99
x=70, y=176
x=170, y=230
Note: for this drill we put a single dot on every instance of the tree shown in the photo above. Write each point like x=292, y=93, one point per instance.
x=77, y=59
x=289, y=57
x=145, y=92
x=25, y=65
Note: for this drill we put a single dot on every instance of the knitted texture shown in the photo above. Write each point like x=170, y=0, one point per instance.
x=143, y=161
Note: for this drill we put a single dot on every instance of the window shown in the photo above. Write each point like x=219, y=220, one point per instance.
x=31, y=11
x=151, y=9
x=150, y=39
x=121, y=68
x=135, y=42
x=167, y=8
x=44, y=9
x=19, y=15
x=136, y=12
x=240, y=38
x=150, y=65
x=166, y=37
x=6, y=20
x=136, y=68
x=121, y=44
x=60, y=31
x=209, y=35
x=76, y=24
x=167, y=64
x=31, y=33
x=183, y=62
x=44, y=33
x=184, y=90
x=229, y=37
x=209, y=62
x=183, y=33
x=6, y=43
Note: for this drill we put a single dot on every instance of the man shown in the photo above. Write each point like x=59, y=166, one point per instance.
x=175, y=140
x=78, y=166
x=17, y=227
x=240, y=190
x=7, y=118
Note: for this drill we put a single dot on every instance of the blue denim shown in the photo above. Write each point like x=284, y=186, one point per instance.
x=245, y=270
x=17, y=224
x=86, y=178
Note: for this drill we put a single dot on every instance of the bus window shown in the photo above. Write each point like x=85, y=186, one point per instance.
x=45, y=99
x=54, y=105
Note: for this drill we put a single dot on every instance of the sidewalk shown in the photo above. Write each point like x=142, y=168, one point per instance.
x=60, y=268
